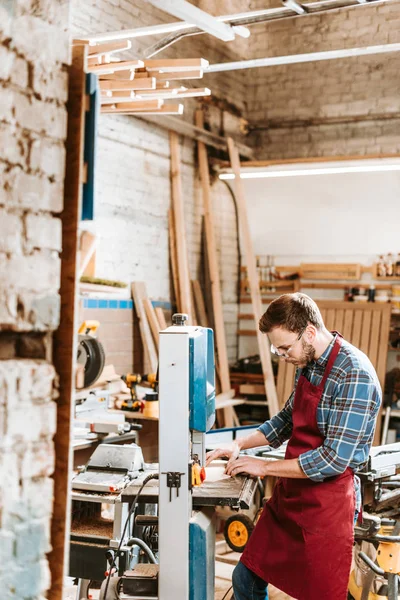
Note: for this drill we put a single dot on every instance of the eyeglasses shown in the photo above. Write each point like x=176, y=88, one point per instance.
x=285, y=353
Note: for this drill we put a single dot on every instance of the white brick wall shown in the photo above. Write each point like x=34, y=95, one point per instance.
x=33, y=90
x=346, y=88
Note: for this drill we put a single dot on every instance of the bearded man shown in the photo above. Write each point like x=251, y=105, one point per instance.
x=303, y=541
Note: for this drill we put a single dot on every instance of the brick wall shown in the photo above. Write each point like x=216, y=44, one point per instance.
x=335, y=107
x=33, y=91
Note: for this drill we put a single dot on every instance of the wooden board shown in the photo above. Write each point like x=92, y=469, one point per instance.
x=199, y=304
x=209, y=225
x=179, y=226
x=153, y=321
x=87, y=252
x=139, y=294
x=173, y=260
x=350, y=271
x=161, y=318
x=65, y=337
x=249, y=254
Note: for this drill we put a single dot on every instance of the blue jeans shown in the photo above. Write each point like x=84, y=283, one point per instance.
x=248, y=586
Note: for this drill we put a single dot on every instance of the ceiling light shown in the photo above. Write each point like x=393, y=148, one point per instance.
x=270, y=173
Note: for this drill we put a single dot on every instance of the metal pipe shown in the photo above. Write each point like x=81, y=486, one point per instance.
x=254, y=18
x=302, y=58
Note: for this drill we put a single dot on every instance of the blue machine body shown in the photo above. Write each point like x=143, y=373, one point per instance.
x=202, y=380
x=202, y=555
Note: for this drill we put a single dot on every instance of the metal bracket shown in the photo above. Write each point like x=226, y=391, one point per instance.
x=173, y=481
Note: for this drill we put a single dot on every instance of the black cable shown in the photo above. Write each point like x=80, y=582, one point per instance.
x=239, y=255
x=227, y=592
x=133, y=506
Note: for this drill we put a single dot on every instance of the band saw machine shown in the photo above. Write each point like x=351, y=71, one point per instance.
x=162, y=546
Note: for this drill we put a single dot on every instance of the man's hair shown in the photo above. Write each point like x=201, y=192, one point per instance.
x=292, y=312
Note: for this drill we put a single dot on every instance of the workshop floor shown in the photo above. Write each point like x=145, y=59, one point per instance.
x=223, y=581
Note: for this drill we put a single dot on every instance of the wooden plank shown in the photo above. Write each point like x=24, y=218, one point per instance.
x=330, y=319
x=139, y=294
x=365, y=331
x=323, y=313
x=152, y=319
x=199, y=304
x=161, y=318
x=115, y=66
x=179, y=226
x=119, y=85
x=167, y=109
x=339, y=318
x=280, y=385
x=213, y=268
x=374, y=337
x=65, y=337
x=109, y=48
x=348, y=323
x=355, y=338
x=383, y=344
x=175, y=64
x=88, y=243
x=252, y=389
x=382, y=362
x=173, y=260
x=350, y=271
x=289, y=381
x=249, y=254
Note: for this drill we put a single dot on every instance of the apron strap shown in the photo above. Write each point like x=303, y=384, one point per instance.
x=332, y=357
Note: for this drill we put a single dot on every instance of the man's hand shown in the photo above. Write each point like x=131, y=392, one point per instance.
x=248, y=465
x=231, y=452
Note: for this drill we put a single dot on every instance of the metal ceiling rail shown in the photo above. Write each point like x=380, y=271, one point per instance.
x=259, y=17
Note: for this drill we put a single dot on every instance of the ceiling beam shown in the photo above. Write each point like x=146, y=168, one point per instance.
x=195, y=16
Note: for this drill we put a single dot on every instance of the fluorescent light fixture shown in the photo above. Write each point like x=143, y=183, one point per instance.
x=270, y=173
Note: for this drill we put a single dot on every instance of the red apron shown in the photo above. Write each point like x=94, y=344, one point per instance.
x=303, y=541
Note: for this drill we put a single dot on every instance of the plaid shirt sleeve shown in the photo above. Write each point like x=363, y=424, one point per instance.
x=279, y=429
x=351, y=420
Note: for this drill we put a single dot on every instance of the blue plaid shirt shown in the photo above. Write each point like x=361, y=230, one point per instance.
x=346, y=414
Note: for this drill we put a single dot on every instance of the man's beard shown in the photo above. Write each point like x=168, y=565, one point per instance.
x=308, y=354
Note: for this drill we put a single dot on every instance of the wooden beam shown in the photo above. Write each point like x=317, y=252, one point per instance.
x=167, y=109
x=213, y=267
x=161, y=318
x=115, y=66
x=139, y=294
x=88, y=243
x=152, y=319
x=109, y=48
x=200, y=304
x=262, y=339
x=175, y=64
x=173, y=260
x=197, y=133
x=119, y=85
x=179, y=226
x=65, y=338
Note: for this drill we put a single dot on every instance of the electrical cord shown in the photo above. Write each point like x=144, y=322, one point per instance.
x=227, y=592
x=239, y=256
x=132, y=508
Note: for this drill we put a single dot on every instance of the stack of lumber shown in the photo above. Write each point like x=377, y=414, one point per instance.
x=138, y=87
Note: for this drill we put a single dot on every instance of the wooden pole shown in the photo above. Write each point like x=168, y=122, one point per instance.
x=65, y=338
x=209, y=227
x=179, y=222
x=161, y=318
x=262, y=339
x=152, y=319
